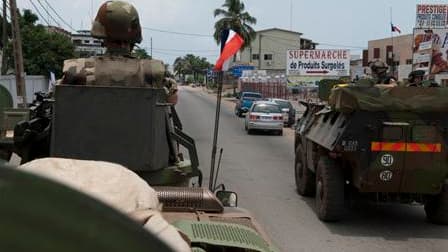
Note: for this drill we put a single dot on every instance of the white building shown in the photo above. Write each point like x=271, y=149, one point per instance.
x=268, y=50
x=86, y=45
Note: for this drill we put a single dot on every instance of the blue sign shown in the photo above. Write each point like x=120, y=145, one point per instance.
x=237, y=71
x=211, y=73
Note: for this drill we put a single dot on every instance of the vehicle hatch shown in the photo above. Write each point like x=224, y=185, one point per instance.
x=407, y=158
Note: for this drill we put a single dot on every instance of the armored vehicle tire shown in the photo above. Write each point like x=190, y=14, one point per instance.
x=437, y=208
x=280, y=132
x=330, y=203
x=305, y=179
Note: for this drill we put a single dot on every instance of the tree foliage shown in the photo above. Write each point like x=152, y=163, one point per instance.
x=43, y=51
x=141, y=53
x=233, y=16
x=191, y=64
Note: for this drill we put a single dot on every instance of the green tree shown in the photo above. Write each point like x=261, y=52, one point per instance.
x=141, y=53
x=181, y=68
x=233, y=16
x=43, y=51
x=191, y=64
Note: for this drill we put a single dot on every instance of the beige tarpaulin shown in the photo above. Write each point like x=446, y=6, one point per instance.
x=114, y=185
x=415, y=99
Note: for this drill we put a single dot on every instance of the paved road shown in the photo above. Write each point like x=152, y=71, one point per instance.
x=260, y=169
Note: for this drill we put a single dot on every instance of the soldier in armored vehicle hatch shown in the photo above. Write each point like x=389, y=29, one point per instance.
x=379, y=75
x=379, y=71
x=415, y=78
x=117, y=23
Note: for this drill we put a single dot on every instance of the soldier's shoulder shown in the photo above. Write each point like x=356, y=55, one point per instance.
x=78, y=64
x=366, y=82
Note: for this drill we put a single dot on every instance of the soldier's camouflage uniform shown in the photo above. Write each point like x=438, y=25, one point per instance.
x=117, y=21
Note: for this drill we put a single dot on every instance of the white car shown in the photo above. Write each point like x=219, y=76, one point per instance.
x=264, y=115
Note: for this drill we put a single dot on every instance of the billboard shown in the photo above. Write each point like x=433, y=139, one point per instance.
x=237, y=71
x=432, y=16
x=319, y=62
x=430, y=50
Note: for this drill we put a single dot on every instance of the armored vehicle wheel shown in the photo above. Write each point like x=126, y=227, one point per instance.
x=305, y=179
x=250, y=131
x=437, y=208
x=330, y=205
x=280, y=132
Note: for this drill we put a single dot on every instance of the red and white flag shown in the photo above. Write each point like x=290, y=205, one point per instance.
x=395, y=28
x=231, y=42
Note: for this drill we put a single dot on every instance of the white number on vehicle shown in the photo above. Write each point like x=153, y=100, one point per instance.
x=387, y=160
x=386, y=176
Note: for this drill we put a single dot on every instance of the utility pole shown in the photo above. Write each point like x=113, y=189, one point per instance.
x=4, y=39
x=151, y=47
x=259, y=52
x=18, y=57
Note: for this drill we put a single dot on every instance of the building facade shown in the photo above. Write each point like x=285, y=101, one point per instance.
x=86, y=45
x=268, y=50
x=396, y=52
x=357, y=70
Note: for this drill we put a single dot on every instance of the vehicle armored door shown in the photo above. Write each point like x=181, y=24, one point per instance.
x=424, y=160
x=387, y=158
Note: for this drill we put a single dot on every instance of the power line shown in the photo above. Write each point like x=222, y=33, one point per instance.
x=327, y=44
x=38, y=13
x=280, y=38
x=184, y=50
x=7, y=15
x=179, y=33
x=347, y=46
x=178, y=54
x=48, y=13
x=57, y=14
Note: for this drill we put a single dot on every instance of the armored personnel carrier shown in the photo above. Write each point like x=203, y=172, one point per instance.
x=192, y=219
x=385, y=144
x=134, y=127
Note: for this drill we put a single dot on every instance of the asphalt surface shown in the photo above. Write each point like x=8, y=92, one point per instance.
x=260, y=169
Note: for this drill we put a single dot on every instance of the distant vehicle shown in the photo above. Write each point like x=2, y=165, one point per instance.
x=245, y=101
x=289, y=112
x=264, y=115
x=389, y=149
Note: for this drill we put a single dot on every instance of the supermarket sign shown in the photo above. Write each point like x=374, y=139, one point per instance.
x=320, y=62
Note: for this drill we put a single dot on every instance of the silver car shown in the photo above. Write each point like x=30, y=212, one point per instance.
x=264, y=115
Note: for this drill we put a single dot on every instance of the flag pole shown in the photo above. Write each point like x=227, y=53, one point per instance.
x=217, y=115
x=215, y=133
x=229, y=47
x=393, y=47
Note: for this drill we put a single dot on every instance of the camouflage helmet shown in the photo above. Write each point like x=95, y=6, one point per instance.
x=117, y=20
x=378, y=66
x=416, y=73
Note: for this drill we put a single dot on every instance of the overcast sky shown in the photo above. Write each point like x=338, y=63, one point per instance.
x=344, y=23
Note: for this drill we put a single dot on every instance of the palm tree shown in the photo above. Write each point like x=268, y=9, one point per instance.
x=236, y=18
